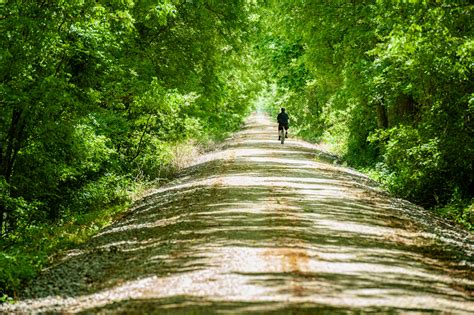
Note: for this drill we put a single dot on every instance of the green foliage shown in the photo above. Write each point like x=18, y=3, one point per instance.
x=411, y=166
x=388, y=85
x=14, y=268
x=17, y=266
x=459, y=210
x=95, y=96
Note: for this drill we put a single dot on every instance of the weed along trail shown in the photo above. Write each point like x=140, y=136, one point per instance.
x=264, y=227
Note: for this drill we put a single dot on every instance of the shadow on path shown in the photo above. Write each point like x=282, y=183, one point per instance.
x=262, y=227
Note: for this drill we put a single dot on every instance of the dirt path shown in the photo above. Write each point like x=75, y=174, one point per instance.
x=262, y=226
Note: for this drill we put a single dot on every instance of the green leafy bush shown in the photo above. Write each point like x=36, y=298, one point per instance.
x=411, y=167
x=15, y=268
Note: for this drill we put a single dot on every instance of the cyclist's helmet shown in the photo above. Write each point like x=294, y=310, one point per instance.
x=283, y=109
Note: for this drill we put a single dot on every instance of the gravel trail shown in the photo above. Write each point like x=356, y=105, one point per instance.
x=264, y=227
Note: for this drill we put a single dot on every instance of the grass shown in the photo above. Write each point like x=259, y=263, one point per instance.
x=22, y=257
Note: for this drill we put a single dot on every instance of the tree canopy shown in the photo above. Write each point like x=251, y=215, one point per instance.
x=93, y=93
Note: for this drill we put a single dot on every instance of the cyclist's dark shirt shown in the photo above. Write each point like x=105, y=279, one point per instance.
x=283, y=118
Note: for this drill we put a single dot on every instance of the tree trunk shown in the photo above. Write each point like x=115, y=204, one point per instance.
x=382, y=118
x=2, y=212
x=9, y=148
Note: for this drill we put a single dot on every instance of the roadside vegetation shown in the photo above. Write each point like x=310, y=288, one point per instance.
x=386, y=85
x=99, y=98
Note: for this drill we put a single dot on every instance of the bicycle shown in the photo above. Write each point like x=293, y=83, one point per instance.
x=282, y=135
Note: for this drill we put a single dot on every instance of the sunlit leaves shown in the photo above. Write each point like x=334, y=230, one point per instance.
x=92, y=89
x=396, y=69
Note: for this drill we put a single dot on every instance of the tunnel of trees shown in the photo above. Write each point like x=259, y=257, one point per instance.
x=98, y=97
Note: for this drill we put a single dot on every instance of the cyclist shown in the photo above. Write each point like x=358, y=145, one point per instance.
x=283, y=120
